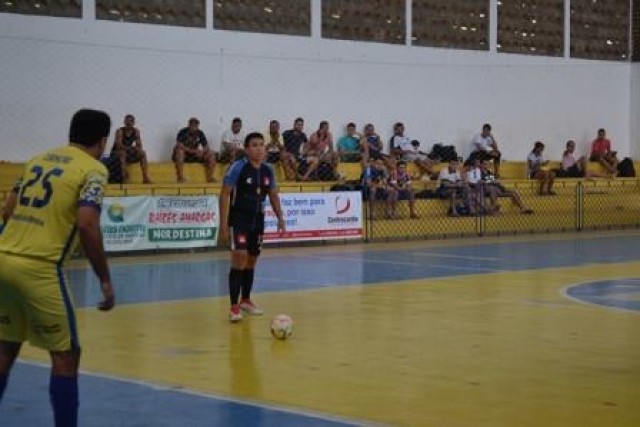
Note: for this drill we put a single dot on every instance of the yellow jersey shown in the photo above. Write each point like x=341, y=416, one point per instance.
x=52, y=187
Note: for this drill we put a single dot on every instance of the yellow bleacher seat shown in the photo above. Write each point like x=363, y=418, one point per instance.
x=9, y=173
x=165, y=173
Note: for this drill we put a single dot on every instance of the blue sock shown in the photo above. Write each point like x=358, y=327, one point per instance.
x=63, y=392
x=3, y=384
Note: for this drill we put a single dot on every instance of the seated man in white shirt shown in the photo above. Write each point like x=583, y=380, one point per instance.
x=451, y=185
x=409, y=150
x=232, y=142
x=485, y=147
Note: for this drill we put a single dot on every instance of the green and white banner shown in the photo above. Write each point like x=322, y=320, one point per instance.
x=159, y=222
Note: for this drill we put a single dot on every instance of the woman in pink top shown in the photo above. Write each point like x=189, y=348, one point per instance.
x=572, y=168
x=601, y=153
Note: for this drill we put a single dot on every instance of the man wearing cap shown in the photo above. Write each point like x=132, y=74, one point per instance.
x=191, y=147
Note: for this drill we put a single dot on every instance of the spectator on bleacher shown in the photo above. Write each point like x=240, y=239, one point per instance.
x=451, y=185
x=294, y=141
x=535, y=163
x=404, y=148
x=232, y=141
x=372, y=147
x=476, y=188
x=400, y=181
x=349, y=145
x=319, y=151
x=274, y=146
x=127, y=148
x=398, y=141
x=493, y=189
x=570, y=167
x=375, y=187
x=484, y=147
x=601, y=153
x=192, y=147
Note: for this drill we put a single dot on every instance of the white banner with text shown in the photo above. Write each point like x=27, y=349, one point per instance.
x=159, y=222
x=316, y=216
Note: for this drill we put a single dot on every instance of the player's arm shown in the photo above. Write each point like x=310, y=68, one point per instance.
x=11, y=202
x=89, y=205
x=225, y=196
x=274, y=198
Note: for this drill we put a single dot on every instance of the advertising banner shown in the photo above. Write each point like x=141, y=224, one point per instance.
x=317, y=216
x=159, y=222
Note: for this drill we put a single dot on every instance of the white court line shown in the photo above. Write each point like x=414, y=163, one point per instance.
x=441, y=255
x=565, y=293
x=462, y=267
x=212, y=396
x=363, y=260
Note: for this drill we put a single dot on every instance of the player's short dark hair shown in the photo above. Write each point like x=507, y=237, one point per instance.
x=251, y=136
x=486, y=126
x=88, y=127
x=299, y=119
x=538, y=144
x=236, y=120
x=351, y=125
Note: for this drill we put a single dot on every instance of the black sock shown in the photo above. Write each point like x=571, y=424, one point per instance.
x=247, y=283
x=63, y=393
x=235, y=284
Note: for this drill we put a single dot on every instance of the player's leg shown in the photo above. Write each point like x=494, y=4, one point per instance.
x=8, y=353
x=13, y=321
x=239, y=259
x=253, y=252
x=53, y=327
x=63, y=387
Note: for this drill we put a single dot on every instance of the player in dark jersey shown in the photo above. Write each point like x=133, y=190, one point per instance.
x=244, y=190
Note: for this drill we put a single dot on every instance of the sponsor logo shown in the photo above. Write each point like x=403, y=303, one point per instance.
x=342, y=206
x=115, y=212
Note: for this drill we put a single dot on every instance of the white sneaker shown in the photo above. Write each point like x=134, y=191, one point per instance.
x=235, y=315
x=248, y=306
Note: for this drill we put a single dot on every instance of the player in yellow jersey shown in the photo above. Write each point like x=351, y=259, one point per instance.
x=58, y=197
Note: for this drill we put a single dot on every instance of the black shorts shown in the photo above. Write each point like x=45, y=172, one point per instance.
x=244, y=239
x=573, y=172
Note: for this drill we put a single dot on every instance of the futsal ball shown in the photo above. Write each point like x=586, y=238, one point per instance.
x=281, y=326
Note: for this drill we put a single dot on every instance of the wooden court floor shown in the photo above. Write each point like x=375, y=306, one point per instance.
x=525, y=331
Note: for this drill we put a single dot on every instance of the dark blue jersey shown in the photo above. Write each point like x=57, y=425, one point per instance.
x=251, y=186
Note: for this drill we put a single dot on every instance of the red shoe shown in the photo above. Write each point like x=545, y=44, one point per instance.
x=235, y=315
x=248, y=306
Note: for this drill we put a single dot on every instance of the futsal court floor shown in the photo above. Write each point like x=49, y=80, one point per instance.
x=520, y=331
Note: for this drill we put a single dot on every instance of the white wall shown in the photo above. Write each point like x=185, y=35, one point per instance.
x=50, y=67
